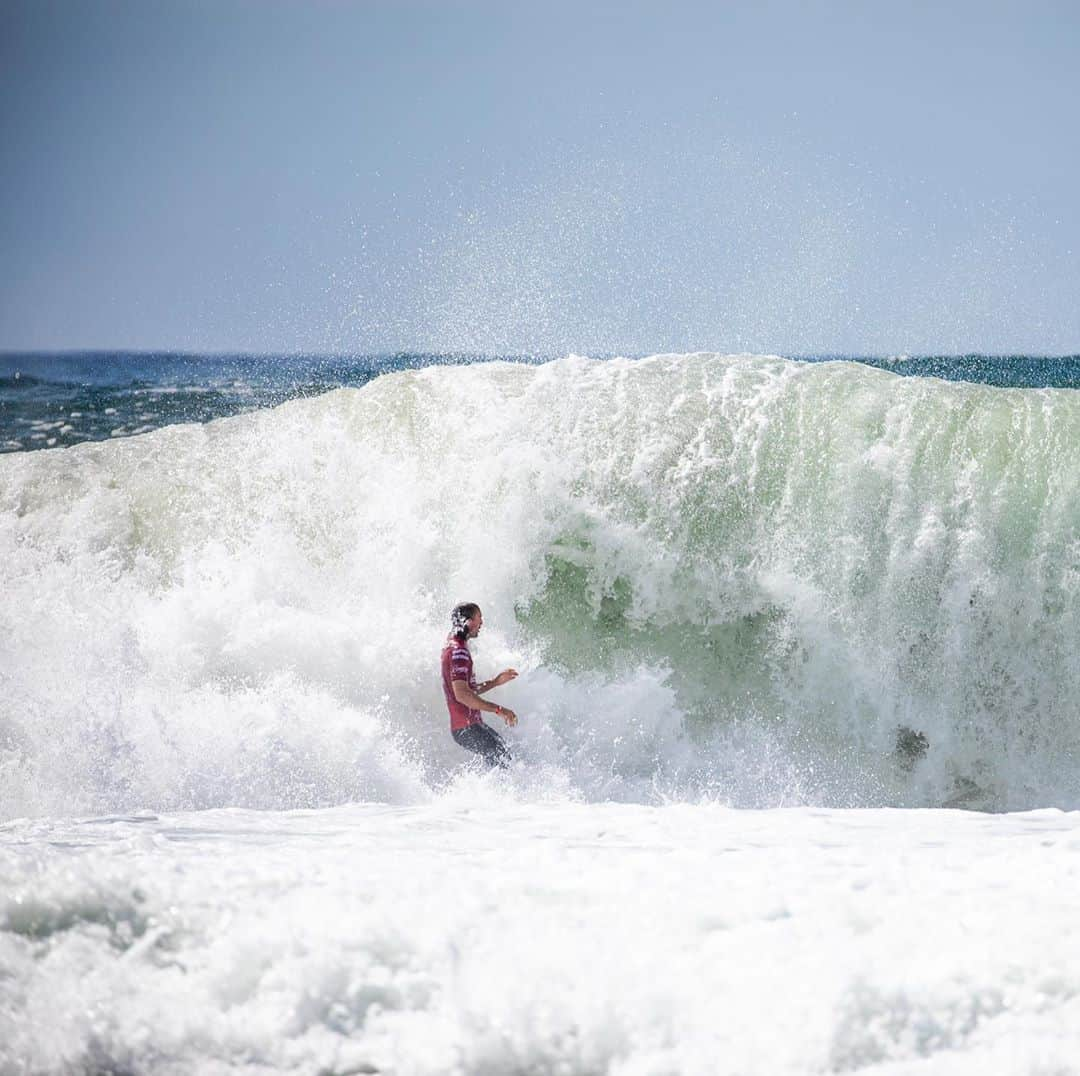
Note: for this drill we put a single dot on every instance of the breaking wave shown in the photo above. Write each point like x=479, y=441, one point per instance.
x=737, y=577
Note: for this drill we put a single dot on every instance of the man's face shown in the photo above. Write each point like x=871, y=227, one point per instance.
x=475, y=623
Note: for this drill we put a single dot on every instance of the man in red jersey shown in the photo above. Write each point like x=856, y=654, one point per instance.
x=463, y=692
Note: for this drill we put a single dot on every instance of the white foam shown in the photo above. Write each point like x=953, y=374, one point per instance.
x=485, y=933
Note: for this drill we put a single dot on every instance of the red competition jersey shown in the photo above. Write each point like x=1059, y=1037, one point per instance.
x=457, y=665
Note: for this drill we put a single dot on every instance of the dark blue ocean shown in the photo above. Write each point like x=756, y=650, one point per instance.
x=54, y=400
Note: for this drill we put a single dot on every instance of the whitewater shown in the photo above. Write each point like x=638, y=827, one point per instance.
x=775, y=622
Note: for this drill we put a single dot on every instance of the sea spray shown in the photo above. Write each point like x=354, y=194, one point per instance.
x=736, y=577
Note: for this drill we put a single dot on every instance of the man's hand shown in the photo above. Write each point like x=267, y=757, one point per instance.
x=504, y=677
x=508, y=715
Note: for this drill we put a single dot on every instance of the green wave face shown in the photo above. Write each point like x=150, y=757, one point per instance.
x=737, y=576
x=883, y=573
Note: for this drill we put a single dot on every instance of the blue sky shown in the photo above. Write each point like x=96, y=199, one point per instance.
x=540, y=178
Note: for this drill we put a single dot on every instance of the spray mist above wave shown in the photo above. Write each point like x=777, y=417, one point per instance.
x=738, y=576
x=751, y=242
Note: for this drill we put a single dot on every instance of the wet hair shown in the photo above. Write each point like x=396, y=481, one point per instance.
x=460, y=615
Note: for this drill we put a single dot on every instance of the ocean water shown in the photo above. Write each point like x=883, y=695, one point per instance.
x=56, y=400
x=776, y=622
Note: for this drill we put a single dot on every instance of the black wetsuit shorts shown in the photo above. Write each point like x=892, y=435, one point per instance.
x=485, y=741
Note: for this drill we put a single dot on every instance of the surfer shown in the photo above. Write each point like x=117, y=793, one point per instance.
x=463, y=692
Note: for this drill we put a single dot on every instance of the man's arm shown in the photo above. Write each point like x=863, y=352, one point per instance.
x=467, y=697
x=503, y=678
